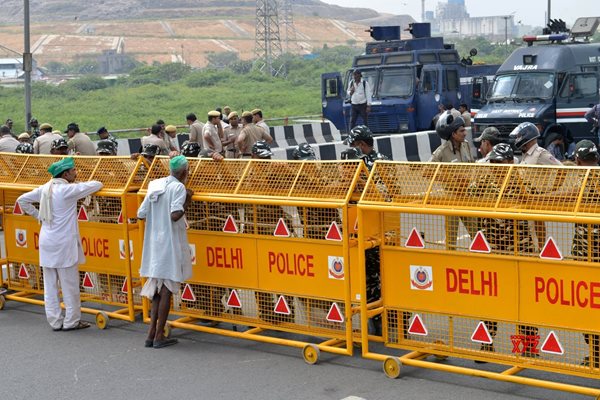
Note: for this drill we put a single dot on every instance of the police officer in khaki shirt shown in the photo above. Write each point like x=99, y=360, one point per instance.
x=79, y=142
x=155, y=139
x=525, y=136
x=451, y=127
x=43, y=143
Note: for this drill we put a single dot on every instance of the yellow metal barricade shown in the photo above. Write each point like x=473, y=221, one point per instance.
x=488, y=262
x=270, y=243
x=107, y=226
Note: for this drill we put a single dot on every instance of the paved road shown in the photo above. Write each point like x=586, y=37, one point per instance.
x=36, y=363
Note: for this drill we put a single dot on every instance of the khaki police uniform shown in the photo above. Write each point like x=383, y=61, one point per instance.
x=155, y=140
x=43, y=143
x=232, y=133
x=196, y=132
x=8, y=144
x=446, y=153
x=82, y=144
x=251, y=134
x=537, y=155
x=211, y=131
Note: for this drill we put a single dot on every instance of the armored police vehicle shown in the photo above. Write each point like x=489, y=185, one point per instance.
x=552, y=83
x=409, y=79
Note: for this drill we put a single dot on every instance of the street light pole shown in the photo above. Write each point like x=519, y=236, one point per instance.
x=506, y=17
x=27, y=64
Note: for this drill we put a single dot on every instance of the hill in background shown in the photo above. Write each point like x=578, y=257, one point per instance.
x=174, y=30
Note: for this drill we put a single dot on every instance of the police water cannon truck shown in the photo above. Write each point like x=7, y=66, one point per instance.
x=551, y=82
x=409, y=80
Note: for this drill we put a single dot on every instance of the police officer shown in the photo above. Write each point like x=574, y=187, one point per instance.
x=487, y=140
x=525, y=136
x=451, y=128
x=361, y=137
x=59, y=147
x=106, y=147
x=24, y=148
x=303, y=152
x=104, y=134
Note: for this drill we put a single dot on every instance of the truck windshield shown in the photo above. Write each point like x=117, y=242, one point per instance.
x=397, y=82
x=522, y=86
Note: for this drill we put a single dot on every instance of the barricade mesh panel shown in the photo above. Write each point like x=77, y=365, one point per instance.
x=11, y=165
x=510, y=343
x=35, y=171
x=114, y=172
x=269, y=178
x=107, y=288
x=101, y=209
x=27, y=277
x=490, y=187
x=257, y=307
x=217, y=177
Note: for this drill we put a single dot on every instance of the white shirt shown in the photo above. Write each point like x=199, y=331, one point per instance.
x=60, y=243
x=8, y=144
x=362, y=93
x=166, y=253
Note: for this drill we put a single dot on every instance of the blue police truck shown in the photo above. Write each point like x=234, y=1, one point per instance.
x=552, y=83
x=409, y=78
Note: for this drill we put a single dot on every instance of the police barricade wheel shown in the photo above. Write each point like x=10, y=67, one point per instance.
x=101, y=320
x=167, y=331
x=311, y=354
x=391, y=367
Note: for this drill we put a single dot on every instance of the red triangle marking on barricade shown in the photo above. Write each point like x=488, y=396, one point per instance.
x=481, y=334
x=480, y=244
x=120, y=219
x=281, y=230
x=415, y=240
x=282, y=306
x=335, y=314
x=417, y=327
x=82, y=216
x=551, y=250
x=234, y=300
x=17, y=209
x=230, y=225
x=188, y=293
x=87, y=281
x=125, y=287
x=333, y=233
x=23, y=273
x=552, y=345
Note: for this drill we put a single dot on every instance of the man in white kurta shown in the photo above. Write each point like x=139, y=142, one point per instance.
x=166, y=257
x=59, y=243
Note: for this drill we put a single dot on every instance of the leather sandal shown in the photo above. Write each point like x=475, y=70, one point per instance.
x=80, y=325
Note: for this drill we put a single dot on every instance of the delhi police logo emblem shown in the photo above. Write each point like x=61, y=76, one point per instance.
x=336, y=267
x=421, y=277
x=21, y=237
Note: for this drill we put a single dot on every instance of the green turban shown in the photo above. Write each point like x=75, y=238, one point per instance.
x=177, y=163
x=61, y=166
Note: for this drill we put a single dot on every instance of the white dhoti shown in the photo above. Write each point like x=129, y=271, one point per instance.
x=69, y=283
x=153, y=286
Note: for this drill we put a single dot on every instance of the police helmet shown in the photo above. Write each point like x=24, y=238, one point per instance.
x=304, y=152
x=501, y=152
x=150, y=150
x=353, y=153
x=190, y=149
x=359, y=132
x=24, y=148
x=524, y=133
x=106, y=146
x=59, y=143
x=448, y=123
x=261, y=149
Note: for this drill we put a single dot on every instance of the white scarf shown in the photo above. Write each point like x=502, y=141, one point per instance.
x=45, y=214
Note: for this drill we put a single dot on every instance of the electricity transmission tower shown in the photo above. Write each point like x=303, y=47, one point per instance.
x=288, y=24
x=267, y=48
